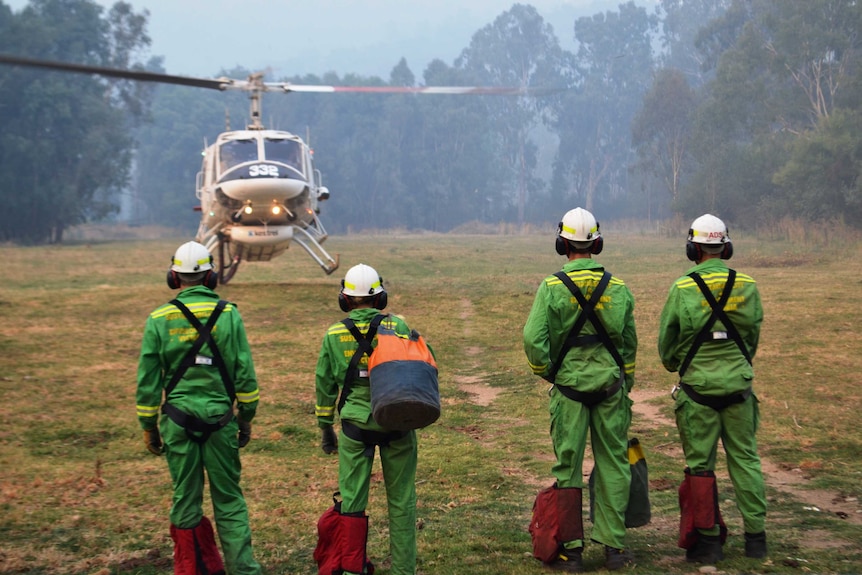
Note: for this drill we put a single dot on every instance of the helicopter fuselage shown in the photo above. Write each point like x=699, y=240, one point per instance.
x=258, y=188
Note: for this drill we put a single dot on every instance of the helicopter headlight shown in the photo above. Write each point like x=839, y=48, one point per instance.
x=247, y=209
x=276, y=210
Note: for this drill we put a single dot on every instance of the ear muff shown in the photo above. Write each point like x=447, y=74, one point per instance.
x=173, y=279
x=692, y=251
x=380, y=300
x=211, y=279
x=727, y=252
x=598, y=245
x=562, y=245
x=343, y=303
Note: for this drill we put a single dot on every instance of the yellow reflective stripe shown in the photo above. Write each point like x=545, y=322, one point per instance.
x=324, y=410
x=583, y=275
x=248, y=397
x=195, y=308
x=537, y=368
x=340, y=329
x=148, y=410
x=574, y=232
x=630, y=368
x=715, y=277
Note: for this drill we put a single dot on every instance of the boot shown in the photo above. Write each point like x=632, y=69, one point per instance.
x=707, y=550
x=617, y=558
x=569, y=560
x=755, y=545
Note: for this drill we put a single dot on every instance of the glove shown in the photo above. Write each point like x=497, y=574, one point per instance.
x=153, y=441
x=328, y=441
x=244, y=435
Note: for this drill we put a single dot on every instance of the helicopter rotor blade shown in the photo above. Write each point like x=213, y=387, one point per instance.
x=254, y=83
x=139, y=75
x=479, y=90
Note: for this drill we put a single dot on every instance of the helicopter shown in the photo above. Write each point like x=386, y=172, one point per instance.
x=258, y=188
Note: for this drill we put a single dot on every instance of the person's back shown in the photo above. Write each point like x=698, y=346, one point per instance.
x=200, y=363
x=580, y=336
x=718, y=367
x=709, y=330
x=342, y=366
x=201, y=391
x=589, y=367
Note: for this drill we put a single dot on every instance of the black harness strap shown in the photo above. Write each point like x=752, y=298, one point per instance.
x=574, y=339
x=364, y=347
x=716, y=402
x=718, y=313
x=369, y=437
x=189, y=422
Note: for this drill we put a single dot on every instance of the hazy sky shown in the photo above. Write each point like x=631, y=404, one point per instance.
x=367, y=37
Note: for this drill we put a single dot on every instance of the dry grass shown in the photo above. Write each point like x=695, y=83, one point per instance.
x=79, y=494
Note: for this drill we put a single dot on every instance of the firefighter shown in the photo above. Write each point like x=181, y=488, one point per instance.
x=362, y=296
x=591, y=377
x=194, y=371
x=708, y=333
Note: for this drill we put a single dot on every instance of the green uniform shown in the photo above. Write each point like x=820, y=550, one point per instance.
x=589, y=368
x=398, y=458
x=201, y=393
x=719, y=369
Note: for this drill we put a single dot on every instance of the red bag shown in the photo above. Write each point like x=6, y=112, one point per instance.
x=557, y=518
x=698, y=508
x=195, y=551
x=341, y=542
x=326, y=554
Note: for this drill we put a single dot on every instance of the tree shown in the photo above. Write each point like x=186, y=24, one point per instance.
x=823, y=176
x=614, y=60
x=517, y=49
x=681, y=22
x=65, y=149
x=661, y=129
x=782, y=70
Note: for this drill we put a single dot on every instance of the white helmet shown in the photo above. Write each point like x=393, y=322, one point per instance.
x=708, y=229
x=190, y=258
x=579, y=225
x=361, y=281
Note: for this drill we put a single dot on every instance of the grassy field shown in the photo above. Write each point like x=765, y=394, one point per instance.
x=80, y=494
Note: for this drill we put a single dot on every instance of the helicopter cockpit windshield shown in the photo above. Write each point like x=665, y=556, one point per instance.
x=284, y=150
x=235, y=152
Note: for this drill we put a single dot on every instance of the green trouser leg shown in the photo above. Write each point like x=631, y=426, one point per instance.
x=219, y=455
x=399, y=474
x=700, y=428
x=608, y=424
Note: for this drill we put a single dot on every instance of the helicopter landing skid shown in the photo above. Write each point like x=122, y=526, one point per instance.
x=332, y=264
x=226, y=271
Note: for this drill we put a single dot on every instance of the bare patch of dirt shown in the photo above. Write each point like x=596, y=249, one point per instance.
x=481, y=394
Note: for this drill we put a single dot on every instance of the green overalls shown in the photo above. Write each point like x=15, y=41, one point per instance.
x=589, y=368
x=718, y=370
x=201, y=393
x=398, y=458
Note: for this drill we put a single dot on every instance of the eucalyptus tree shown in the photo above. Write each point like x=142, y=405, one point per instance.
x=661, y=129
x=776, y=88
x=518, y=49
x=615, y=61
x=65, y=148
x=681, y=22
